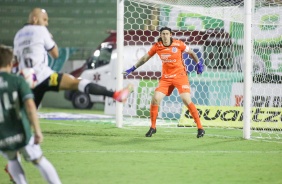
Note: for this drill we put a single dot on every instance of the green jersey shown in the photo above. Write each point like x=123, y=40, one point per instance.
x=15, y=129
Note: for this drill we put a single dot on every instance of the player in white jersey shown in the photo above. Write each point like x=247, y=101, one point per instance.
x=33, y=42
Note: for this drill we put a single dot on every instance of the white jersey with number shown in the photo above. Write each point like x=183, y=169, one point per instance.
x=31, y=46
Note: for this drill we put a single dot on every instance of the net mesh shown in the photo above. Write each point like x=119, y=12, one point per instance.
x=214, y=30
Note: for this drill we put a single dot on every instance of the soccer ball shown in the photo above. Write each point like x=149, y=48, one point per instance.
x=30, y=77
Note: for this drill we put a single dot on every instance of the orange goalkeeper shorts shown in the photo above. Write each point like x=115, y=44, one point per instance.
x=167, y=85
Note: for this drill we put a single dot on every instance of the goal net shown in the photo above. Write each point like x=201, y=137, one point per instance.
x=214, y=29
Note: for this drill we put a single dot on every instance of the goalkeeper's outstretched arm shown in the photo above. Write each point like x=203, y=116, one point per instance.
x=142, y=60
x=139, y=63
x=193, y=55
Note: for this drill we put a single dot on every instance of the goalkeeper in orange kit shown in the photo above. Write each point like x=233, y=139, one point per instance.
x=174, y=75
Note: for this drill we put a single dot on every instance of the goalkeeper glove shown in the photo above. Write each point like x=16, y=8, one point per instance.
x=127, y=72
x=199, y=68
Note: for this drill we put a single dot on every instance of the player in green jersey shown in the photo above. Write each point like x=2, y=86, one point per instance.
x=18, y=117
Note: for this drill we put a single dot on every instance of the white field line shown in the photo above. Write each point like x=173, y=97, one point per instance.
x=63, y=124
x=166, y=152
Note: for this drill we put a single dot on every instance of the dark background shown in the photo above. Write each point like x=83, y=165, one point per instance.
x=82, y=24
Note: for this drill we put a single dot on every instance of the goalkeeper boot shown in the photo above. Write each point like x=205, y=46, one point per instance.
x=122, y=95
x=201, y=133
x=150, y=132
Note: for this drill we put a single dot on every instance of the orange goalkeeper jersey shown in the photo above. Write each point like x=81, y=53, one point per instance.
x=171, y=56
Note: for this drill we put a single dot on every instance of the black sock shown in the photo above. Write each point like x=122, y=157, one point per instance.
x=95, y=89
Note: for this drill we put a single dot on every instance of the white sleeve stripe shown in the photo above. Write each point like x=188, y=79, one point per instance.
x=51, y=48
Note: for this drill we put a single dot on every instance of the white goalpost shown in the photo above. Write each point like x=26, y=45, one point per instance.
x=248, y=68
x=120, y=39
x=240, y=44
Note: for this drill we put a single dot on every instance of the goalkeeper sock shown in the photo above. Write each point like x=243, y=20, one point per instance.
x=194, y=112
x=154, y=113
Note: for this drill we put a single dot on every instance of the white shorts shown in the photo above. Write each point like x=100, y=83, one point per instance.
x=30, y=152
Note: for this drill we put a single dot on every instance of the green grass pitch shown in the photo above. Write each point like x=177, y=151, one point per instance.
x=88, y=152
